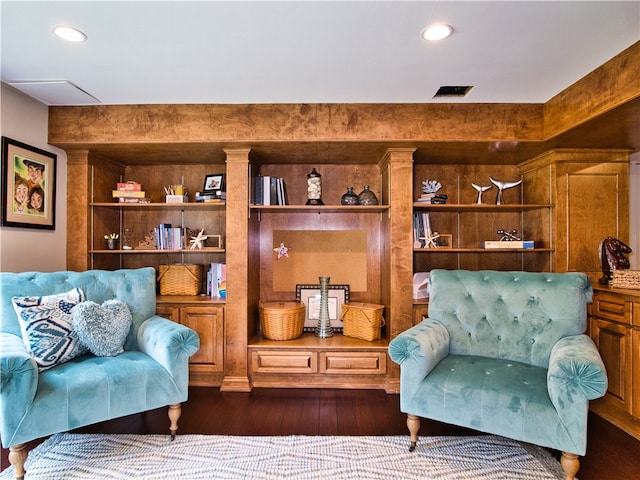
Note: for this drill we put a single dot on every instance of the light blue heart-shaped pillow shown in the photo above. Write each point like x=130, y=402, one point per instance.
x=102, y=328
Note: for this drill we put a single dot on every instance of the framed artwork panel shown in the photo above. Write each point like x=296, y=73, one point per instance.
x=309, y=295
x=28, y=186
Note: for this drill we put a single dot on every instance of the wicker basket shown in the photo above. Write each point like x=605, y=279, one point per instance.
x=180, y=279
x=281, y=320
x=626, y=279
x=362, y=320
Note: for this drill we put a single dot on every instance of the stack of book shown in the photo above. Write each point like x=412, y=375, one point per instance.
x=218, y=197
x=433, y=198
x=508, y=244
x=130, y=192
x=216, y=278
x=166, y=237
x=270, y=190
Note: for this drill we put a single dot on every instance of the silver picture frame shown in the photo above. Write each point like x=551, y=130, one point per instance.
x=309, y=295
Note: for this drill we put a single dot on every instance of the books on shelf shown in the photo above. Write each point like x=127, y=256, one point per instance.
x=269, y=190
x=422, y=233
x=432, y=198
x=217, y=279
x=218, y=197
x=508, y=244
x=166, y=237
x=127, y=193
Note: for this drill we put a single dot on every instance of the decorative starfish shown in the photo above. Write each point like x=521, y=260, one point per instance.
x=282, y=251
x=503, y=186
x=480, y=189
x=198, y=240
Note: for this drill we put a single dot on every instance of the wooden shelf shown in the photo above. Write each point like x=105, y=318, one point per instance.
x=190, y=299
x=154, y=251
x=482, y=250
x=321, y=208
x=308, y=340
x=475, y=207
x=161, y=205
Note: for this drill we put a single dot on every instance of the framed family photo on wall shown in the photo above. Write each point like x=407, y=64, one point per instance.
x=28, y=186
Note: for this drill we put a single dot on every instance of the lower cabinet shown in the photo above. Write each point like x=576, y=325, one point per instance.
x=206, y=367
x=420, y=310
x=336, y=362
x=614, y=326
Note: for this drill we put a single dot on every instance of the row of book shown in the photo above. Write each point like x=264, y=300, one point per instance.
x=270, y=190
x=217, y=280
x=166, y=237
x=422, y=233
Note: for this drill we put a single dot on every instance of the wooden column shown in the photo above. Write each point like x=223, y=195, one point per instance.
x=396, y=168
x=78, y=210
x=237, y=316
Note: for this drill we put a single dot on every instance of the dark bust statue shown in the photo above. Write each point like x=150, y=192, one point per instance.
x=612, y=257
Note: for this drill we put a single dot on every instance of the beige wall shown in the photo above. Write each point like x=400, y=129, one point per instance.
x=23, y=249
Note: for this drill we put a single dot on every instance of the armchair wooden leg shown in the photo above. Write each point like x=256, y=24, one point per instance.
x=570, y=465
x=17, y=458
x=174, y=414
x=413, y=423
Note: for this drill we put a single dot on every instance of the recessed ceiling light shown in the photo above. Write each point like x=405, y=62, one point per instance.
x=437, y=31
x=69, y=34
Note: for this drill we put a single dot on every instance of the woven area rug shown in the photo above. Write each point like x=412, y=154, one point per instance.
x=92, y=457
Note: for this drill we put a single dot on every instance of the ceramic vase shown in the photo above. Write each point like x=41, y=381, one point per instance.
x=323, y=328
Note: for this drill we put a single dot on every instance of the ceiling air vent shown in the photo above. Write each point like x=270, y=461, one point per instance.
x=453, y=91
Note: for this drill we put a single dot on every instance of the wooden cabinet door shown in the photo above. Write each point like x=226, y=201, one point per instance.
x=614, y=342
x=208, y=324
x=169, y=312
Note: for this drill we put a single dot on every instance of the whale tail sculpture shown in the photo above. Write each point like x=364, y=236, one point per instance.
x=503, y=186
x=480, y=189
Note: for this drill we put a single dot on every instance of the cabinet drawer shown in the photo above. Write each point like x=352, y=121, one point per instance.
x=271, y=361
x=349, y=363
x=612, y=308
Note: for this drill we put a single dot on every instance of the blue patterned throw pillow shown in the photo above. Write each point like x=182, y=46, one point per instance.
x=102, y=328
x=46, y=327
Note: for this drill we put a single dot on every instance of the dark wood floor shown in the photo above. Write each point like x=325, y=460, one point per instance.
x=612, y=454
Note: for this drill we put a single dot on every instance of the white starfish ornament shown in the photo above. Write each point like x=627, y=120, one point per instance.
x=198, y=240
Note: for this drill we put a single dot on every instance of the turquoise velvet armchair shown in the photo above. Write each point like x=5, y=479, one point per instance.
x=504, y=353
x=152, y=372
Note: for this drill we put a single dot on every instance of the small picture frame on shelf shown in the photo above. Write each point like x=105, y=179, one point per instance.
x=444, y=240
x=309, y=295
x=213, y=184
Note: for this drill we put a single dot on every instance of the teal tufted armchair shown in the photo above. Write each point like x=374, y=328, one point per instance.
x=151, y=373
x=504, y=353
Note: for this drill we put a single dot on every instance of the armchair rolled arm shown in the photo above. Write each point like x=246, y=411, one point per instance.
x=167, y=342
x=18, y=380
x=419, y=349
x=576, y=372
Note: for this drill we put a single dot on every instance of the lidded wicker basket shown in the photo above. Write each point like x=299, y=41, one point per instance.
x=362, y=320
x=626, y=279
x=281, y=320
x=180, y=279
